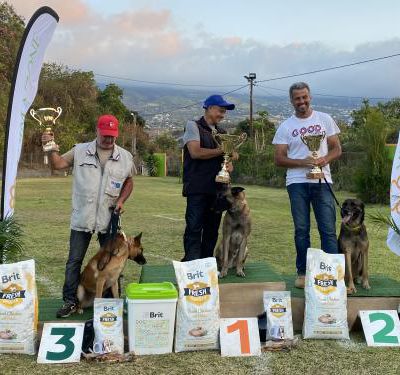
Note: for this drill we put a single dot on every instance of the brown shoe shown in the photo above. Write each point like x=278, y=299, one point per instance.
x=300, y=281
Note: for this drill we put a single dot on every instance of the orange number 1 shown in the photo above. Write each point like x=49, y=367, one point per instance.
x=243, y=328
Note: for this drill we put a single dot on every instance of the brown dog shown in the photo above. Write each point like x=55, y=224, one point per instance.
x=353, y=243
x=236, y=227
x=104, y=268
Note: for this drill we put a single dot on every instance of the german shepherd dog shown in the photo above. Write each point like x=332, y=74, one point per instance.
x=232, y=250
x=353, y=243
x=104, y=268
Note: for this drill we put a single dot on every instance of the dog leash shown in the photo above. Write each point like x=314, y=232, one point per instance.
x=331, y=191
x=114, y=226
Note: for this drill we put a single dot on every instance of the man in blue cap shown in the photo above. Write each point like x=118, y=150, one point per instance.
x=202, y=162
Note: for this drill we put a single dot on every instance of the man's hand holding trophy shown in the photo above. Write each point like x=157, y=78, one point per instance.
x=313, y=142
x=46, y=117
x=228, y=143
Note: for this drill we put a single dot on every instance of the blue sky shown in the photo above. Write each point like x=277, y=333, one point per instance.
x=217, y=42
x=340, y=23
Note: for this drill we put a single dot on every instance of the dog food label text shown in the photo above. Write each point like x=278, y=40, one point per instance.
x=278, y=310
x=195, y=275
x=325, y=283
x=12, y=277
x=108, y=319
x=197, y=293
x=12, y=296
x=325, y=267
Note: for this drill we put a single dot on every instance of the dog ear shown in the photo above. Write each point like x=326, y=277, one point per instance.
x=103, y=261
x=362, y=212
x=138, y=238
x=236, y=190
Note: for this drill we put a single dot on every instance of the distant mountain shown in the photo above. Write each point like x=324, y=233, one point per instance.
x=166, y=107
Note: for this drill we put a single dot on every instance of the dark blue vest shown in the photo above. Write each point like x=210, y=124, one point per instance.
x=199, y=174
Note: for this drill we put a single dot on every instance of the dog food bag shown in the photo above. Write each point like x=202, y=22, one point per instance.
x=197, y=316
x=278, y=308
x=325, y=296
x=108, y=325
x=18, y=307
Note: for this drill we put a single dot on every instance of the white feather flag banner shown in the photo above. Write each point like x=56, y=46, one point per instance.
x=36, y=37
x=393, y=239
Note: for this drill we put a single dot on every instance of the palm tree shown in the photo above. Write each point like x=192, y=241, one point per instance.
x=11, y=243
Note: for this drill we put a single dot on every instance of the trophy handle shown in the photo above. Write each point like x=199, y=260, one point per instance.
x=32, y=112
x=242, y=139
x=59, y=111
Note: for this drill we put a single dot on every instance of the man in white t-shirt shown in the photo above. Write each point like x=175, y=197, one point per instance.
x=292, y=153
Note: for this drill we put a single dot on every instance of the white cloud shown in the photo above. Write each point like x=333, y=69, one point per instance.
x=148, y=45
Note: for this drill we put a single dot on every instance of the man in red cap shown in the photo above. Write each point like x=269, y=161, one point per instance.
x=102, y=182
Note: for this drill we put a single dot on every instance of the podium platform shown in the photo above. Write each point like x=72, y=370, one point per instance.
x=243, y=297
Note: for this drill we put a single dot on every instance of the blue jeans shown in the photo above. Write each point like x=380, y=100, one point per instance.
x=202, y=224
x=301, y=195
x=78, y=245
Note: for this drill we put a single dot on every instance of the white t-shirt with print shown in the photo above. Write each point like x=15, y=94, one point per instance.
x=289, y=133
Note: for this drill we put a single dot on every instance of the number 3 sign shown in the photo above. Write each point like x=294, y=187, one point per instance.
x=61, y=343
x=381, y=327
x=239, y=337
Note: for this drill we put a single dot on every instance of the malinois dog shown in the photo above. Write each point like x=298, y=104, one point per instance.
x=104, y=268
x=232, y=250
x=353, y=243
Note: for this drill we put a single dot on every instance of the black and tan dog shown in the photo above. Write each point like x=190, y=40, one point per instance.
x=232, y=250
x=353, y=243
x=104, y=268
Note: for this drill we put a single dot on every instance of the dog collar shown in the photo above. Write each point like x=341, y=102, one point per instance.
x=353, y=229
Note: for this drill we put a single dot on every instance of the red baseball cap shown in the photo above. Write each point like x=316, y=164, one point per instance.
x=108, y=125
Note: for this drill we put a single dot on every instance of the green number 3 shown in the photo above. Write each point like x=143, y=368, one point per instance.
x=66, y=335
x=382, y=335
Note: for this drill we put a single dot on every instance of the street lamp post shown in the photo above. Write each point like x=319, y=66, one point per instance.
x=250, y=78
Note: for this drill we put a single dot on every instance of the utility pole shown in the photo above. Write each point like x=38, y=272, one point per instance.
x=133, y=144
x=250, y=78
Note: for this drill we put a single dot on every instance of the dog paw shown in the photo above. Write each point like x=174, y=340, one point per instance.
x=240, y=273
x=223, y=273
x=80, y=311
x=351, y=289
x=365, y=284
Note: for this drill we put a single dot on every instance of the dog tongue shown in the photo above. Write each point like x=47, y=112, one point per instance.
x=346, y=219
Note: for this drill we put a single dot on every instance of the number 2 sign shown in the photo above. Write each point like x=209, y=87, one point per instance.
x=61, y=343
x=239, y=337
x=381, y=327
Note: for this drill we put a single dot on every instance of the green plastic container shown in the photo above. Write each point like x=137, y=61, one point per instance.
x=150, y=291
x=151, y=317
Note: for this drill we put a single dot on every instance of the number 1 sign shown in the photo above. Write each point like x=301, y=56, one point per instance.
x=239, y=337
x=381, y=327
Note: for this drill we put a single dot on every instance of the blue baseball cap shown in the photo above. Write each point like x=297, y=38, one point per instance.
x=219, y=101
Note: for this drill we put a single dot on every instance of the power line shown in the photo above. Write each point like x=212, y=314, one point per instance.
x=189, y=105
x=327, y=95
x=331, y=68
x=263, y=88
x=160, y=83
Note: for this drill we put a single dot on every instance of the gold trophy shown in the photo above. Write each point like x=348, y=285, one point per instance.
x=313, y=142
x=47, y=117
x=228, y=143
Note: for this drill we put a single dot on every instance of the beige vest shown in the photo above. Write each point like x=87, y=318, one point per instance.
x=94, y=193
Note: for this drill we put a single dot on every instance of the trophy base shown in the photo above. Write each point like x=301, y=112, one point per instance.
x=223, y=179
x=315, y=175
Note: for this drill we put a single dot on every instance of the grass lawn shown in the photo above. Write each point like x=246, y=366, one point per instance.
x=157, y=209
